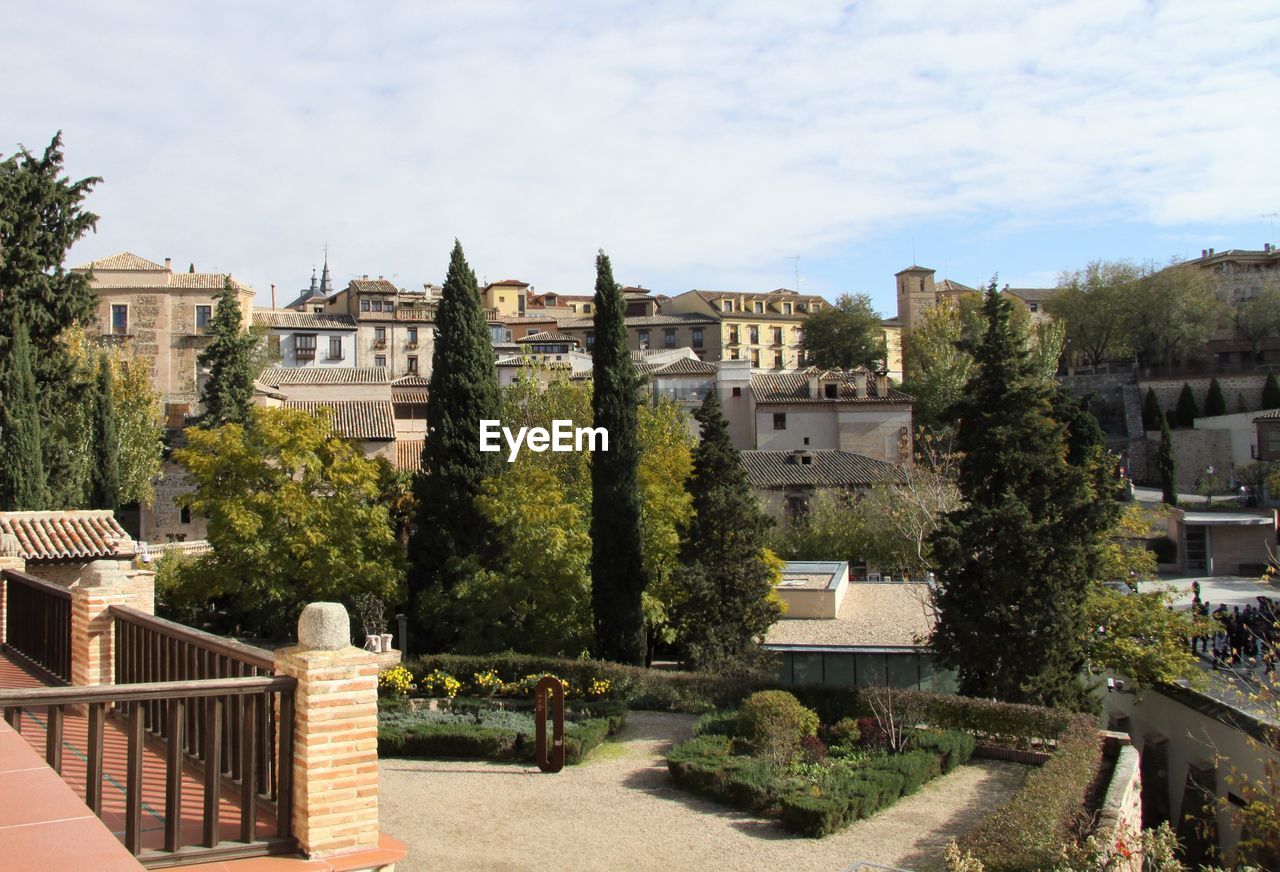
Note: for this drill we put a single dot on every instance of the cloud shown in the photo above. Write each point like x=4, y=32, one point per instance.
x=700, y=144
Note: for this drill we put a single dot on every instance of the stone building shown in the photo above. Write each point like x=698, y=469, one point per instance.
x=787, y=481
x=764, y=328
x=395, y=327
x=309, y=339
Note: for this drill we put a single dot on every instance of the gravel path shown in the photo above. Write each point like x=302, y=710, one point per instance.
x=619, y=810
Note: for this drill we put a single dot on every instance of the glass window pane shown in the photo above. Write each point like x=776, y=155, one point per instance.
x=870, y=669
x=903, y=671
x=840, y=669
x=807, y=668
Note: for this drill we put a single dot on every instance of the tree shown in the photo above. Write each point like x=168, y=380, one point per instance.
x=41, y=217
x=845, y=336
x=228, y=394
x=1271, y=392
x=1171, y=314
x=293, y=518
x=618, y=576
x=1092, y=304
x=1151, y=413
x=105, y=477
x=24, y=484
x=1258, y=318
x=451, y=530
x=1214, y=402
x=1015, y=558
x=1165, y=463
x=1187, y=409
x=937, y=361
x=727, y=573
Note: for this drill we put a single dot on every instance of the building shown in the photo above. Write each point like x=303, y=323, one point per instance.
x=1223, y=543
x=1031, y=299
x=395, y=328
x=507, y=298
x=162, y=317
x=787, y=481
x=1241, y=273
x=315, y=298
x=855, y=411
x=918, y=293
x=664, y=331
x=307, y=339
x=764, y=328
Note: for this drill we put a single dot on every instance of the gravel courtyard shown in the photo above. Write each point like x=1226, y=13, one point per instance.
x=618, y=810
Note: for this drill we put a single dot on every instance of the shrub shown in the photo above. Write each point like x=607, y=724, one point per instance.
x=844, y=733
x=438, y=683
x=1188, y=410
x=396, y=681
x=446, y=740
x=773, y=722
x=722, y=722
x=817, y=816
x=813, y=749
x=953, y=747
x=1166, y=550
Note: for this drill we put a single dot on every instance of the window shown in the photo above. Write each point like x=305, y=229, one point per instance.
x=777, y=360
x=380, y=360
x=733, y=335
x=364, y=305
x=1034, y=307
x=119, y=319
x=797, y=508
x=317, y=310
x=737, y=392
x=669, y=337
x=697, y=337
x=777, y=335
x=203, y=314
x=335, y=348
x=786, y=308
x=755, y=358
x=502, y=299
x=184, y=515
x=379, y=337
x=586, y=308
x=508, y=335
x=591, y=341
x=411, y=336
x=759, y=307
x=831, y=391
x=304, y=346
x=753, y=334
x=411, y=364
x=644, y=338
x=806, y=440
x=779, y=420
x=726, y=305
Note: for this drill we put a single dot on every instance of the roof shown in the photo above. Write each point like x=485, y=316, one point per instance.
x=307, y=296
x=373, y=286
x=793, y=387
x=204, y=281
x=508, y=283
x=408, y=395
x=1228, y=519
x=827, y=467
x=873, y=614
x=1273, y=415
x=73, y=535
x=953, y=286
x=1031, y=295
x=354, y=419
x=125, y=260
x=411, y=381
x=534, y=362
x=685, y=366
x=546, y=336
x=325, y=375
x=675, y=319
x=303, y=321
x=409, y=454
x=915, y=269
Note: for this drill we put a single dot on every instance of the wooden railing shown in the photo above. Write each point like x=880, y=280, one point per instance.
x=38, y=622
x=209, y=702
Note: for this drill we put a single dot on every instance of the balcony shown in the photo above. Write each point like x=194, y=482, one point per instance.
x=411, y=345
x=335, y=356
x=380, y=343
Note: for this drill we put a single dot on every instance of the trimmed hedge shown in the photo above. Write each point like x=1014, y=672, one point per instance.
x=1029, y=831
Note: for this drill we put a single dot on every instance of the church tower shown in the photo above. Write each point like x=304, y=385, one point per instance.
x=916, y=295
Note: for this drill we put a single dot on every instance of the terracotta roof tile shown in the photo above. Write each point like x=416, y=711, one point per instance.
x=411, y=381
x=304, y=321
x=78, y=535
x=125, y=260
x=408, y=395
x=409, y=455
x=685, y=366
x=354, y=419
x=545, y=336
x=204, y=281
x=1032, y=295
x=375, y=286
x=827, y=467
x=793, y=387
x=325, y=375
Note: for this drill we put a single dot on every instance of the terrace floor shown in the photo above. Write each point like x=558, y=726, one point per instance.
x=619, y=810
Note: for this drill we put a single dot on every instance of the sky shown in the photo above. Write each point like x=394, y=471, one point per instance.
x=699, y=144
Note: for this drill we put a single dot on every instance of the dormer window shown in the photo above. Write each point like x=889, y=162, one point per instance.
x=786, y=308
x=831, y=390
x=726, y=305
x=759, y=308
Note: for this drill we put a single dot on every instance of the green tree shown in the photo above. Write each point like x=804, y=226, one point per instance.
x=105, y=478
x=227, y=396
x=1015, y=558
x=293, y=517
x=1187, y=409
x=1092, y=303
x=1171, y=314
x=618, y=572
x=844, y=336
x=1214, y=402
x=24, y=485
x=938, y=362
x=1141, y=637
x=452, y=533
x=727, y=573
x=1151, y=413
x=41, y=217
x=1271, y=392
x=1166, y=464
x=1258, y=318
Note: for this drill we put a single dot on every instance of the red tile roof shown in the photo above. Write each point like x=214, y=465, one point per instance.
x=354, y=419
x=409, y=455
x=78, y=535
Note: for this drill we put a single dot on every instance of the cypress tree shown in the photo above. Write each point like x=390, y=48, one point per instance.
x=105, y=475
x=1187, y=409
x=227, y=396
x=724, y=572
x=1271, y=393
x=1214, y=402
x=1151, y=414
x=618, y=576
x=1167, y=467
x=24, y=485
x=463, y=390
x=1016, y=556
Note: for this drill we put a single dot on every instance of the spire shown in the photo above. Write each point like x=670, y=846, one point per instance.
x=326, y=285
x=313, y=281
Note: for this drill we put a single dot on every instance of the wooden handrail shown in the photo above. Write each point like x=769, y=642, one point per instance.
x=157, y=690
x=55, y=590
x=248, y=654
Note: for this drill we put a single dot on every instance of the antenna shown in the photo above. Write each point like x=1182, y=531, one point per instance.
x=795, y=260
x=1272, y=216
x=913, y=251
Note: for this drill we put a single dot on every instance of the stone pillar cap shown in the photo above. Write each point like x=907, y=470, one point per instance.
x=324, y=627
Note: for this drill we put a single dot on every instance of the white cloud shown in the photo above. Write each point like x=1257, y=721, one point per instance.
x=700, y=145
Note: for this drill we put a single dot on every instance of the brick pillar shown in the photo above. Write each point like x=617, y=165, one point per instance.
x=10, y=558
x=103, y=583
x=335, y=740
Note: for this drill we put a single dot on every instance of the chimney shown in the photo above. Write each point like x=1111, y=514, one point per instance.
x=882, y=385
x=1266, y=247
x=168, y=264
x=860, y=383
x=1204, y=252
x=273, y=295
x=1211, y=252
x=365, y=276
x=815, y=389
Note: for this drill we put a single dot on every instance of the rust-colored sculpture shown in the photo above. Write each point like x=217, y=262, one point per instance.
x=552, y=687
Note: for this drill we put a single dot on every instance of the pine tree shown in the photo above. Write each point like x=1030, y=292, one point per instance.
x=227, y=396
x=1015, y=559
x=23, y=482
x=105, y=476
x=1151, y=414
x=463, y=391
x=1165, y=463
x=618, y=576
x=1214, y=402
x=725, y=572
x=1271, y=392
x=1187, y=409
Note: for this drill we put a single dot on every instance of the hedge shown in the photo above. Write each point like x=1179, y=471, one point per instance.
x=1029, y=831
x=471, y=740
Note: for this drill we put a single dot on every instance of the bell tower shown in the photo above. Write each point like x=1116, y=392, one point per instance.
x=916, y=295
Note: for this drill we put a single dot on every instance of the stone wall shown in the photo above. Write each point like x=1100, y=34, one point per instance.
x=1120, y=818
x=1193, y=450
x=1233, y=388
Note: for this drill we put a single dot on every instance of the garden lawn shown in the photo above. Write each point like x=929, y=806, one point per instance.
x=620, y=810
